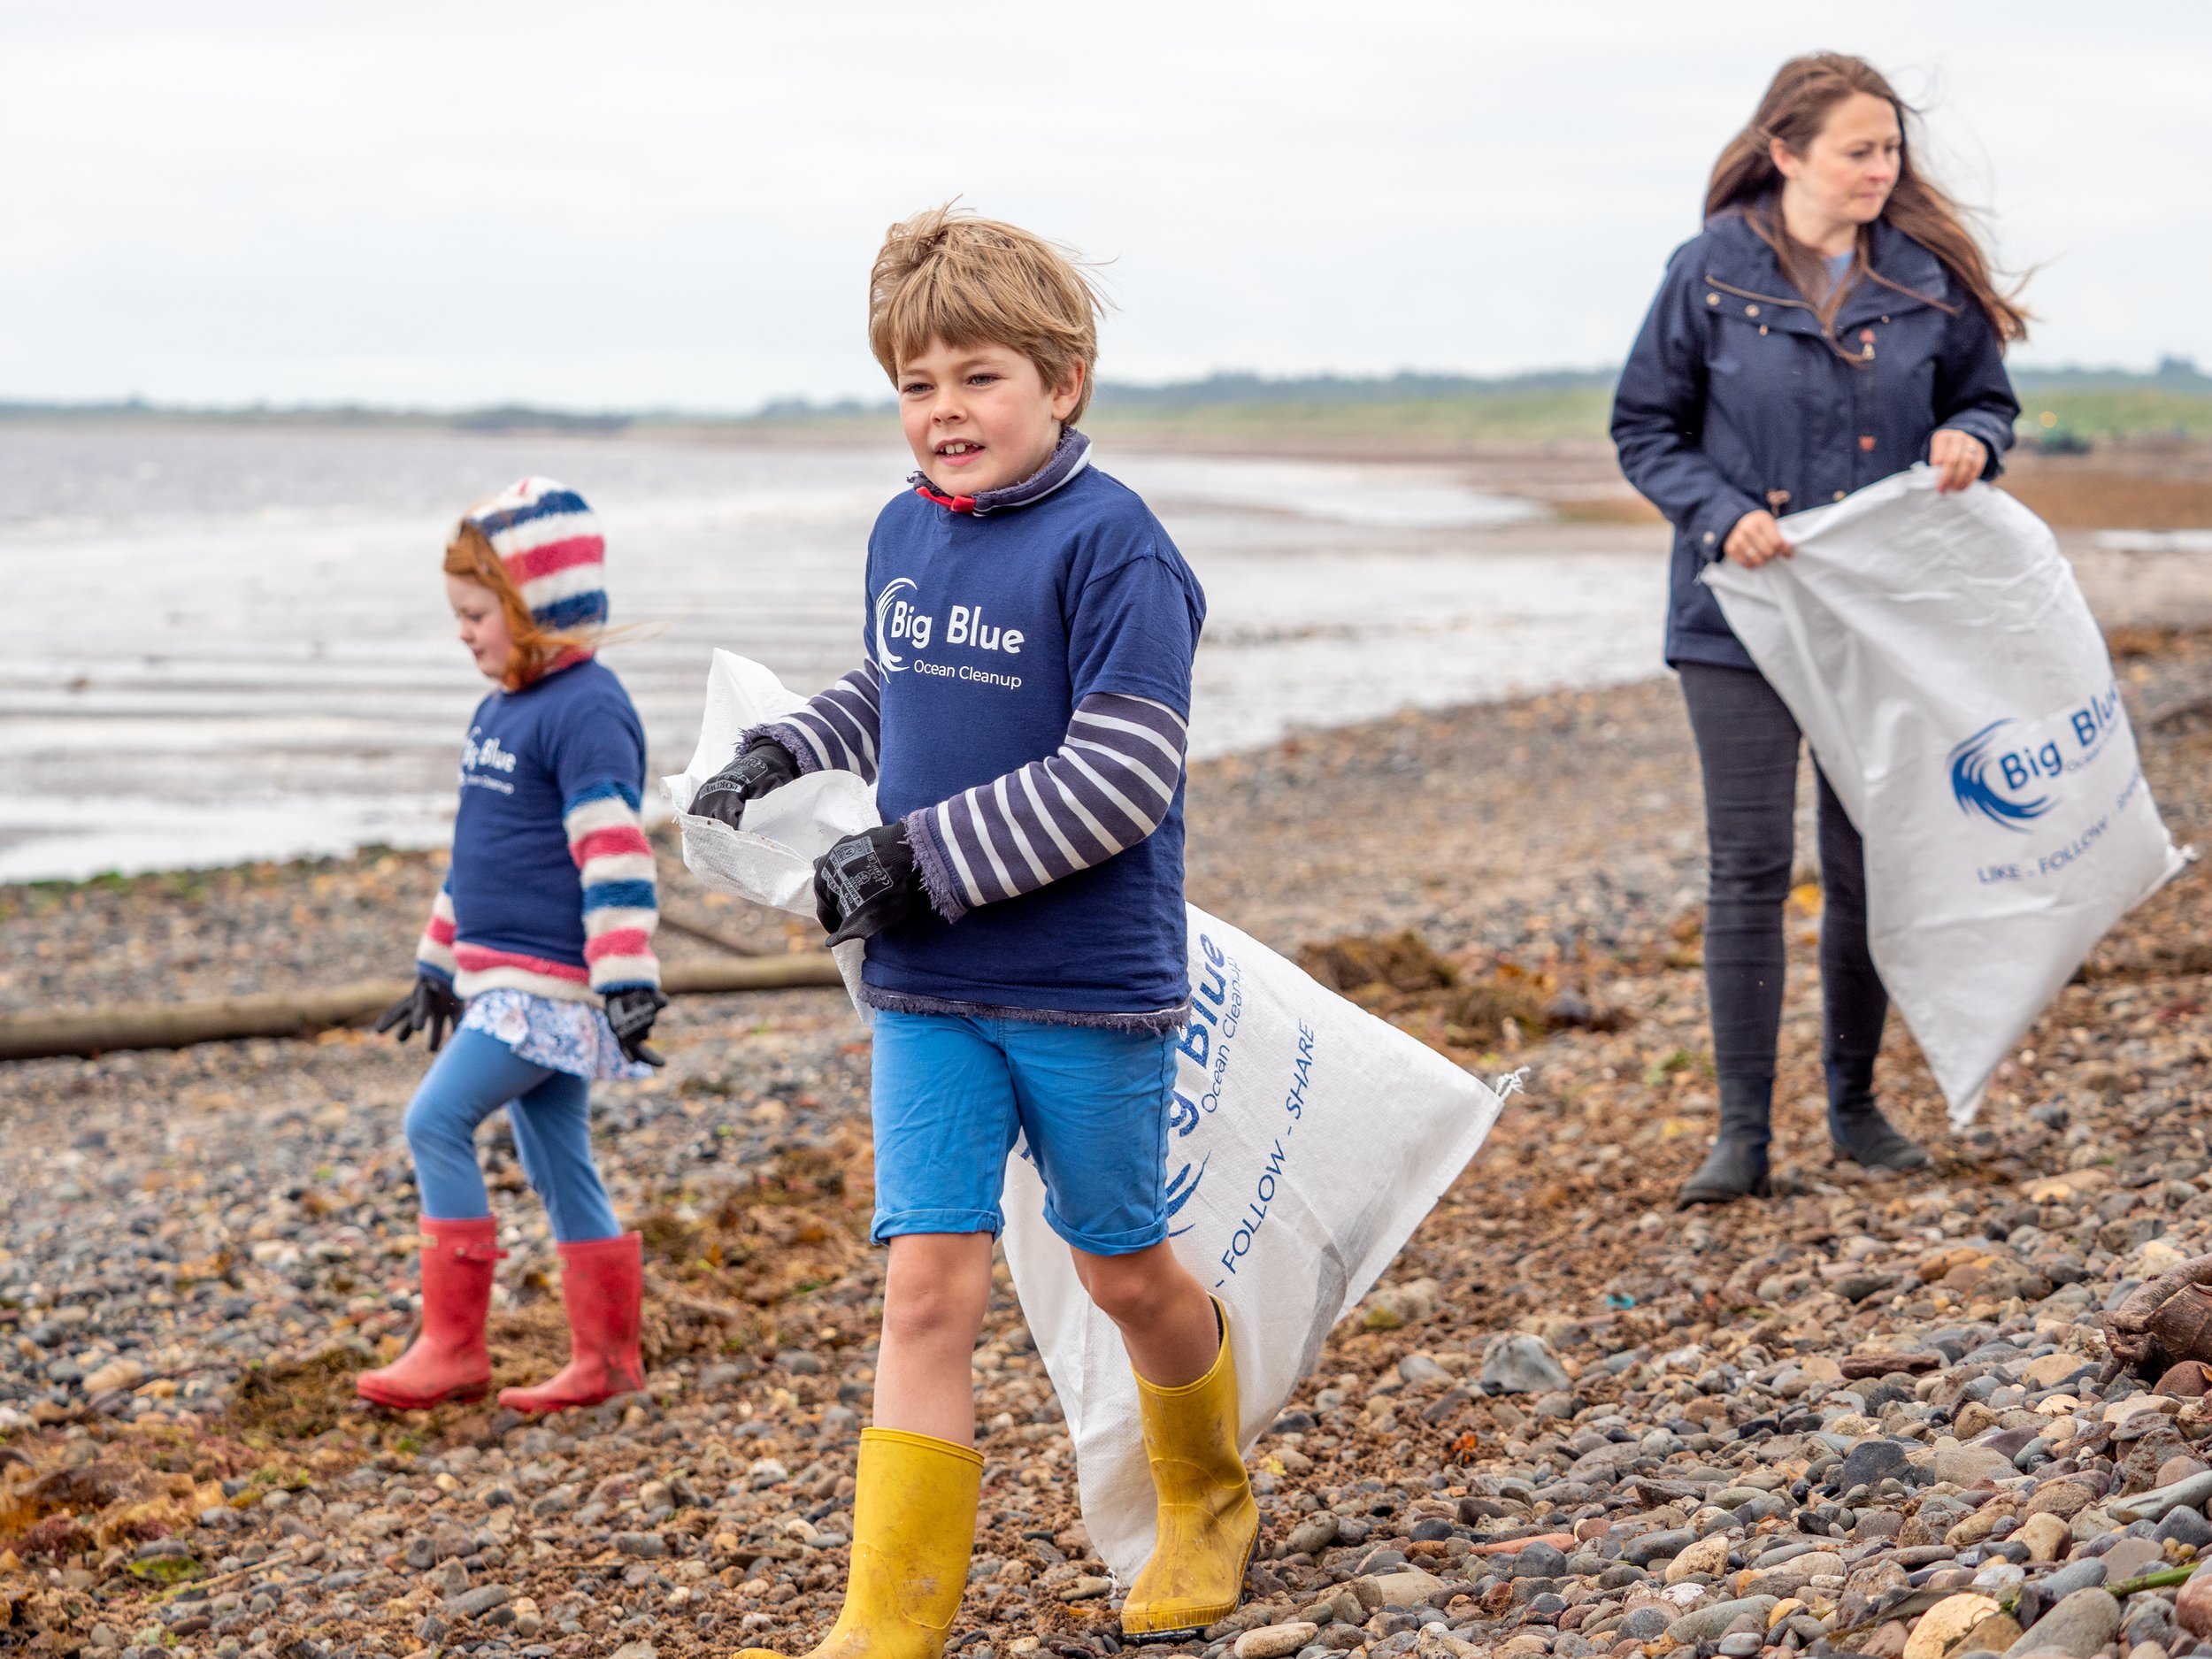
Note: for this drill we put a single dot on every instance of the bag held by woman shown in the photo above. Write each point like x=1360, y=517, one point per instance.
x=1940, y=659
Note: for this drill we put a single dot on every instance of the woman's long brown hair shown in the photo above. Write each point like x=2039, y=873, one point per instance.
x=1793, y=111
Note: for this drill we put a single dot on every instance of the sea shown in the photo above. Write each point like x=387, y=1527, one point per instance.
x=228, y=643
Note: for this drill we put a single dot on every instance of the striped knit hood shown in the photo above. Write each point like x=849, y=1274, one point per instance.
x=549, y=540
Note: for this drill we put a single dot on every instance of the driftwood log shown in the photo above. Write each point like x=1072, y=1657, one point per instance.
x=2163, y=1322
x=294, y=1013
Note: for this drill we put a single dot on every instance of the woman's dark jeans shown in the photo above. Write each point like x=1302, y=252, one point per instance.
x=1746, y=745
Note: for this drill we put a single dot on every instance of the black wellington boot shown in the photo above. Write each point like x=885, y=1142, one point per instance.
x=1737, y=1165
x=1856, y=1129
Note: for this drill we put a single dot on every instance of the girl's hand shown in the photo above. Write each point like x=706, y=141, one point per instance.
x=1757, y=539
x=1958, y=459
x=429, y=1007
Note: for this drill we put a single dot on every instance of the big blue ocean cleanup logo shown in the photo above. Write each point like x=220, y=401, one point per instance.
x=2010, y=770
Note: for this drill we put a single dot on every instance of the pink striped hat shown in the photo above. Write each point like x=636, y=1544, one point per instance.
x=549, y=540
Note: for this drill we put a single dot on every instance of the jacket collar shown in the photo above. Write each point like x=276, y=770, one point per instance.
x=1740, y=264
x=1069, y=456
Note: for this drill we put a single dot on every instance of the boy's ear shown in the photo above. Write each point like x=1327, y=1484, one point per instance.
x=1070, y=391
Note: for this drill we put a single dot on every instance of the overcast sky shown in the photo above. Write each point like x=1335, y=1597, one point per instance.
x=668, y=203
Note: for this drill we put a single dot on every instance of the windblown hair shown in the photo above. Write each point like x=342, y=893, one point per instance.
x=537, y=648
x=949, y=276
x=1793, y=112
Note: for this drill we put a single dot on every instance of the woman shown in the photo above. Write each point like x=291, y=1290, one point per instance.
x=1835, y=323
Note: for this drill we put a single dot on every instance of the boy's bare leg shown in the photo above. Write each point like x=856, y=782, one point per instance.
x=936, y=1288
x=1165, y=1317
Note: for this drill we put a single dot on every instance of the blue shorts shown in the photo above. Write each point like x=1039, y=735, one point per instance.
x=952, y=1092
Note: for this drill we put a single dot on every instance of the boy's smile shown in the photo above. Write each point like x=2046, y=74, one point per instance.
x=980, y=417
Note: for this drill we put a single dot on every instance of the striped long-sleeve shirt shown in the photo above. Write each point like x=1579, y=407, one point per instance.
x=552, y=890
x=614, y=862
x=1106, y=786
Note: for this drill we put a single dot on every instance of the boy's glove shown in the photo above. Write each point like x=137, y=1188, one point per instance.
x=866, y=883
x=632, y=1013
x=430, y=1007
x=762, y=766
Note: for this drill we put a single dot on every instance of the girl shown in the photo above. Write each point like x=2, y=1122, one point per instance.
x=1835, y=323
x=539, y=948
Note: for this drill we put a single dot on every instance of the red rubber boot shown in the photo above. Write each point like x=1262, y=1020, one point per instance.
x=448, y=1359
x=602, y=1281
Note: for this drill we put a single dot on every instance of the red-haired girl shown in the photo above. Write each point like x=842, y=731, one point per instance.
x=538, y=950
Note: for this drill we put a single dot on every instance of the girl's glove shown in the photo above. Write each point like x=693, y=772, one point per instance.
x=762, y=766
x=866, y=883
x=430, y=1007
x=632, y=1013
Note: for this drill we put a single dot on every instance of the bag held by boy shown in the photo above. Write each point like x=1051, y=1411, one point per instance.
x=1307, y=1139
x=1940, y=659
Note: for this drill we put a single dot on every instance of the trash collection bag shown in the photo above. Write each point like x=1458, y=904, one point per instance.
x=1943, y=665
x=1307, y=1140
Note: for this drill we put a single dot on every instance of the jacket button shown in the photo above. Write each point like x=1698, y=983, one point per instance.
x=1751, y=311
x=1712, y=299
x=1762, y=328
x=1867, y=335
x=1867, y=443
x=1709, y=538
x=1836, y=496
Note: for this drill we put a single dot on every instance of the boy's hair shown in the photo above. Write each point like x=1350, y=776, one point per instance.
x=536, y=647
x=949, y=276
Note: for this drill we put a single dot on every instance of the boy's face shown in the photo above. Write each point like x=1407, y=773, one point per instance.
x=980, y=417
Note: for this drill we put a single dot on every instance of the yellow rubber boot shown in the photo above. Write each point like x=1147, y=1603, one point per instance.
x=1209, y=1523
x=913, y=1531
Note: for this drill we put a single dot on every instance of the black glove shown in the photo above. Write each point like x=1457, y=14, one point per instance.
x=632, y=1013
x=431, y=1007
x=866, y=883
x=762, y=766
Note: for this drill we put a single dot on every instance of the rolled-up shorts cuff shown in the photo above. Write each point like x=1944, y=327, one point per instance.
x=1125, y=1243
x=894, y=1223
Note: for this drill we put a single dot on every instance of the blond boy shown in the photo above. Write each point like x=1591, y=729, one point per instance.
x=1021, y=711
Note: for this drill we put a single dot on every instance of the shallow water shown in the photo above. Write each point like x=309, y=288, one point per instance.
x=229, y=644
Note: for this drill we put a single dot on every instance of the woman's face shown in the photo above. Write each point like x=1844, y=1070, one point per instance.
x=1846, y=173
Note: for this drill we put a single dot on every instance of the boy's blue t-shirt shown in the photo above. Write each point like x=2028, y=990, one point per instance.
x=530, y=755
x=989, y=630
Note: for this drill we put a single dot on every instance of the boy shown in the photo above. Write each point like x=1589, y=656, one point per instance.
x=1021, y=709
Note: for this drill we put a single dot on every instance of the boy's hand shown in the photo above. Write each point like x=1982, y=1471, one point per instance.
x=631, y=1012
x=762, y=767
x=866, y=883
x=429, y=1007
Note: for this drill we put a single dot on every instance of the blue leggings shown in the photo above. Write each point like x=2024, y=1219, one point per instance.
x=550, y=1111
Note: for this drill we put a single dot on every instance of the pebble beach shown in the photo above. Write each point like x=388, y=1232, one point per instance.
x=1868, y=1415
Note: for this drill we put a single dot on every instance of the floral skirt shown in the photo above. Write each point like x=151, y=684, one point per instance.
x=561, y=1036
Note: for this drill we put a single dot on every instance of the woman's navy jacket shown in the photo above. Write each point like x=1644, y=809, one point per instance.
x=1733, y=401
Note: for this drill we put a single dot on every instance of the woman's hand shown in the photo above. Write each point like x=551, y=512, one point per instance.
x=1958, y=459
x=1757, y=538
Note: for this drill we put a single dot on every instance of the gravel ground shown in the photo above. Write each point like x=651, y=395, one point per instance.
x=1572, y=1422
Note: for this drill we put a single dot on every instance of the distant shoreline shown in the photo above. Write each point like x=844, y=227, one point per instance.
x=1435, y=414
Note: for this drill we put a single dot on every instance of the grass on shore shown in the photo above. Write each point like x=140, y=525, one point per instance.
x=1582, y=412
